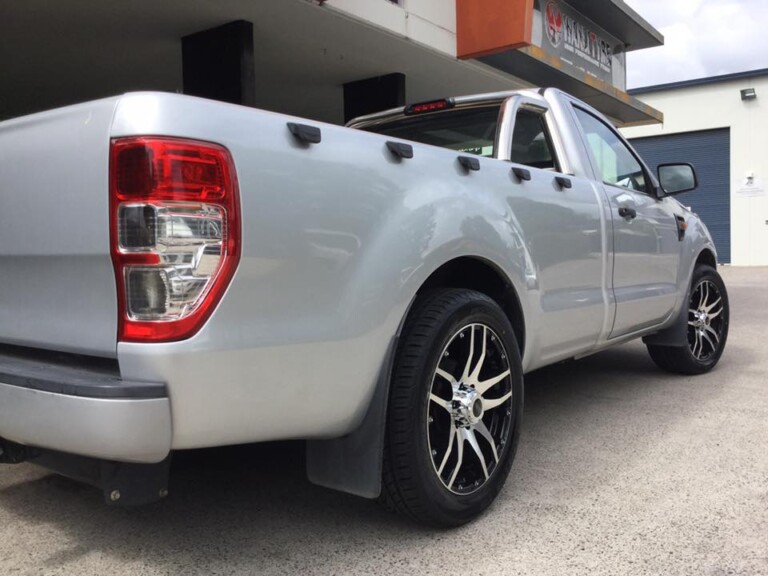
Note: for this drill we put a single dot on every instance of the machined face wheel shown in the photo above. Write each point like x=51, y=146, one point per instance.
x=455, y=407
x=470, y=408
x=708, y=317
x=706, y=320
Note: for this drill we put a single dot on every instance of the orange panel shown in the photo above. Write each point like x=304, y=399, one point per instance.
x=488, y=26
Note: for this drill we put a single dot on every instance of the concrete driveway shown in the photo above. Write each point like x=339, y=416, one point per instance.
x=622, y=469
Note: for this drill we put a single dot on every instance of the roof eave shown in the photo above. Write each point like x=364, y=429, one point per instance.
x=621, y=21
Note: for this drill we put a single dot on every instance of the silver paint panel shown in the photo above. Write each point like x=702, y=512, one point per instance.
x=57, y=287
x=646, y=261
x=123, y=430
x=644, y=254
x=563, y=231
x=337, y=239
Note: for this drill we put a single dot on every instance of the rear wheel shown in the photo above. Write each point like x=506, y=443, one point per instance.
x=455, y=407
x=708, y=318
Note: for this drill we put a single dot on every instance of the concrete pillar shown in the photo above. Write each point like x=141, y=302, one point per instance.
x=373, y=95
x=218, y=63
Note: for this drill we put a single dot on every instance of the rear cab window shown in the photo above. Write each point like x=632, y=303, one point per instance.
x=472, y=130
x=466, y=130
x=531, y=141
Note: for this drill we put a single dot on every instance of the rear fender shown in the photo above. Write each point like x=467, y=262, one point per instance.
x=353, y=463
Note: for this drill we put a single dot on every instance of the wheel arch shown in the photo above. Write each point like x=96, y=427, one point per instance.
x=476, y=273
x=706, y=256
x=353, y=463
x=677, y=333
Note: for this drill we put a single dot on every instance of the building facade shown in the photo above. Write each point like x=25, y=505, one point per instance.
x=719, y=125
x=321, y=59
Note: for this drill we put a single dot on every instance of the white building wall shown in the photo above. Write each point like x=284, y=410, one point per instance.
x=720, y=106
x=428, y=22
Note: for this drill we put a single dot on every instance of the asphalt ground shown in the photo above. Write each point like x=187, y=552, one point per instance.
x=622, y=469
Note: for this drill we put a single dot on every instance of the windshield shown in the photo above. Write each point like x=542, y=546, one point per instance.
x=468, y=130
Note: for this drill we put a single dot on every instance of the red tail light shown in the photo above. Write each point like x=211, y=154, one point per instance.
x=175, y=233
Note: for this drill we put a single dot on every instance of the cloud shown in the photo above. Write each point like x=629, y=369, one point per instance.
x=702, y=38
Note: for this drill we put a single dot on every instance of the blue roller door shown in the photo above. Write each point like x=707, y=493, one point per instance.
x=709, y=151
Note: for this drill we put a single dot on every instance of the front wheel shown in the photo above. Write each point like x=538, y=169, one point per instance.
x=708, y=319
x=455, y=406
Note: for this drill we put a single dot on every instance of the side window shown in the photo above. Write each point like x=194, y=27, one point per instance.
x=615, y=162
x=531, y=144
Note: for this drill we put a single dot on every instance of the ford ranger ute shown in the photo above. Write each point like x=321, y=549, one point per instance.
x=179, y=273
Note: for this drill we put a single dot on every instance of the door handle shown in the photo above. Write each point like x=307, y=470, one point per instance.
x=628, y=213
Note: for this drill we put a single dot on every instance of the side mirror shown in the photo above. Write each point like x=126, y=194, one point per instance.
x=677, y=178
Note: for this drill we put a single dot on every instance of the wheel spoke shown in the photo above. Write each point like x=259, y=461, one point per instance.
x=485, y=433
x=703, y=294
x=447, y=376
x=468, y=365
x=712, y=331
x=704, y=335
x=715, y=303
x=472, y=439
x=697, y=344
x=490, y=404
x=476, y=372
x=445, y=404
x=485, y=385
x=714, y=315
x=459, y=459
x=451, y=437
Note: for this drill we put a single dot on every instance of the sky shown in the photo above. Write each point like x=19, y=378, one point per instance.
x=701, y=38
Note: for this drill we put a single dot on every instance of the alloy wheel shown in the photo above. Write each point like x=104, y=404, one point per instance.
x=705, y=320
x=469, y=412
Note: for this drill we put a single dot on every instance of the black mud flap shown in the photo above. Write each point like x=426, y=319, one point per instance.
x=123, y=483
x=12, y=453
x=353, y=464
x=676, y=334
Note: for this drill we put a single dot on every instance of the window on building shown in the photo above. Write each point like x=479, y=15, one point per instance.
x=614, y=161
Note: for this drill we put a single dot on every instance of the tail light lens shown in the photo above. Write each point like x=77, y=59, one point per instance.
x=175, y=228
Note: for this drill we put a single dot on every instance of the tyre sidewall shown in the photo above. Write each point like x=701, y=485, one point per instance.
x=700, y=274
x=451, y=508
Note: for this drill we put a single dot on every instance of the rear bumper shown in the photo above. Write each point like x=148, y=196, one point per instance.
x=48, y=405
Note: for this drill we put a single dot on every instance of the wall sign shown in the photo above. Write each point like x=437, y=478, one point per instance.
x=575, y=39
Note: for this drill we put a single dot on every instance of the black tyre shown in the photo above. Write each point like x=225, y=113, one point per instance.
x=455, y=406
x=708, y=318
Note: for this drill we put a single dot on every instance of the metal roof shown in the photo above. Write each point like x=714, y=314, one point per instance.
x=700, y=81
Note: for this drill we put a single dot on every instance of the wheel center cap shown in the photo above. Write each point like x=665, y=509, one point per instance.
x=702, y=319
x=467, y=406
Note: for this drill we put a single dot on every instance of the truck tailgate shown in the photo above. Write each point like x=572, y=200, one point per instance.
x=57, y=286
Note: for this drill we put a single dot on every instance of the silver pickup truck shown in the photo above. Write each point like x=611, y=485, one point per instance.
x=178, y=273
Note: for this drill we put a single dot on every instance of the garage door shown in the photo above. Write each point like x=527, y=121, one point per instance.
x=710, y=152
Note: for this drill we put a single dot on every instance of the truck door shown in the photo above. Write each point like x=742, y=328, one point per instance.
x=560, y=215
x=646, y=249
